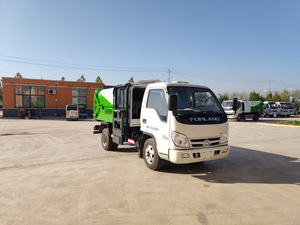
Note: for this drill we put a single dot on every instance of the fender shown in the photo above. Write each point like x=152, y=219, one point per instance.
x=145, y=136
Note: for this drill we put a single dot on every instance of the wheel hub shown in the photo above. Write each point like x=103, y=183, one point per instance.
x=150, y=154
x=104, y=140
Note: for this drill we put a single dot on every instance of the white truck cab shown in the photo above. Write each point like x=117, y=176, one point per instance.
x=194, y=131
x=283, y=108
x=270, y=109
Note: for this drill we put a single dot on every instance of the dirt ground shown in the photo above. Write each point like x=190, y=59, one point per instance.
x=55, y=172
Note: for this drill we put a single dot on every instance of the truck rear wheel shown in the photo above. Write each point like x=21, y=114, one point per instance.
x=256, y=117
x=151, y=156
x=106, y=140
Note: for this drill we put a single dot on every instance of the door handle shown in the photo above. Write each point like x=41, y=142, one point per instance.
x=144, y=121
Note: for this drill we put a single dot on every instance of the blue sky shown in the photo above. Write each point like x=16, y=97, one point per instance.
x=230, y=46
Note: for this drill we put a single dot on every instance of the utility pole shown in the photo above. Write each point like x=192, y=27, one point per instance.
x=269, y=86
x=169, y=72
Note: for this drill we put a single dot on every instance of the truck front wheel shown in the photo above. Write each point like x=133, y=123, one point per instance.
x=106, y=140
x=151, y=156
x=239, y=118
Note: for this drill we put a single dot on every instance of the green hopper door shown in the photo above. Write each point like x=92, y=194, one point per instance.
x=103, y=105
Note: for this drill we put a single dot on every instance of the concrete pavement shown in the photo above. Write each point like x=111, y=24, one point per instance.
x=55, y=172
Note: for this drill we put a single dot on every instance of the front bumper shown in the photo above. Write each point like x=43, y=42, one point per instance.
x=198, y=155
x=273, y=114
x=284, y=113
x=231, y=116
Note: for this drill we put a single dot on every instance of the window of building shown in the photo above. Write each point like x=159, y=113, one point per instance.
x=79, y=96
x=29, y=96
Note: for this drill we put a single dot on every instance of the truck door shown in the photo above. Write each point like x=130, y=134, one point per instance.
x=154, y=118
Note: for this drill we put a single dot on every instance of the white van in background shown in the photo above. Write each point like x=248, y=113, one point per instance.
x=72, y=112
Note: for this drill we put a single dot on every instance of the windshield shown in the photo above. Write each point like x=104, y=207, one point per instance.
x=227, y=104
x=292, y=106
x=195, y=99
x=71, y=108
x=273, y=106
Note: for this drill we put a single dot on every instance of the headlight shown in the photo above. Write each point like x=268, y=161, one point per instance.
x=179, y=140
x=224, y=138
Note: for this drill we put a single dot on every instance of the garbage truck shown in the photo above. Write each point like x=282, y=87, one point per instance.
x=245, y=110
x=177, y=122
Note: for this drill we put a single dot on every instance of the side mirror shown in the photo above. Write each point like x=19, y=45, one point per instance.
x=235, y=104
x=172, y=104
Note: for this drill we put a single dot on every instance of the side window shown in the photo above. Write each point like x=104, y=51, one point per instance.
x=239, y=105
x=29, y=96
x=157, y=100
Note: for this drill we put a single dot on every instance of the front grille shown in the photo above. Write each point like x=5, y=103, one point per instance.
x=200, y=142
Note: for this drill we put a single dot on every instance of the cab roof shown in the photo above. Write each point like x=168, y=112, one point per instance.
x=176, y=84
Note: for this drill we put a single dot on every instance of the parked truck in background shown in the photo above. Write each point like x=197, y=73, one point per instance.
x=245, y=110
x=285, y=109
x=292, y=110
x=270, y=109
x=82, y=111
x=177, y=122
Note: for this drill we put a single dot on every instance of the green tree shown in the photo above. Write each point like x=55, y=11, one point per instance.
x=81, y=79
x=18, y=75
x=285, y=97
x=276, y=97
x=223, y=97
x=253, y=96
x=269, y=97
x=261, y=98
x=63, y=79
x=98, y=80
x=131, y=80
x=256, y=97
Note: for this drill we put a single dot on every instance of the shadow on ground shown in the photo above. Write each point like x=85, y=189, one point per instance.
x=129, y=149
x=243, y=166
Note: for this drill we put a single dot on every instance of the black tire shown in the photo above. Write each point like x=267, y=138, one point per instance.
x=114, y=146
x=256, y=117
x=239, y=118
x=151, y=156
x=271, y=116
x=288, y=115
x=106, y=140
